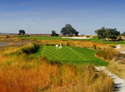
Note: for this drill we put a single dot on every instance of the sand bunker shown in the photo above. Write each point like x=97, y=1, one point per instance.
x=76, y=37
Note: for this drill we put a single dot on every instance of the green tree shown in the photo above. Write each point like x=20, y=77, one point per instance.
x=101, y=33
x=54, y=33
x=69, y=30
x=107, y=33
x=112, y=33
x=123, y=34
x=21, y=32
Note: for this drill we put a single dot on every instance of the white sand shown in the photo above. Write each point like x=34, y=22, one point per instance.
x=123, y=52
x=76, y=37
x=118, y=47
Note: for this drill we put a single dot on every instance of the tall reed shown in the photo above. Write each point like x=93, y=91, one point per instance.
x=20, y=72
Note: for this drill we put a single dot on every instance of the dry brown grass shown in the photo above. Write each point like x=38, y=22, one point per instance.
x=44, y=76
x=83, y=44
x=118, y=69
x=109, y=54
x=23, y=73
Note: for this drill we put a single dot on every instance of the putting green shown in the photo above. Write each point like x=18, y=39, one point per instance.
x=70, y=55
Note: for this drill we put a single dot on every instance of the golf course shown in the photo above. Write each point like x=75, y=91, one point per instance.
x=40, y=65
x=62, y=46
x=70, y=55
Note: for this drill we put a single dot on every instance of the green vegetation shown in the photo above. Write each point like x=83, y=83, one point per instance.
x=70, y=55
x=21, y=32
x=107, y=42
x=110, y=54
x=24, y=73
x=69, y=30
x=107, y=33
x=42, y=37
x=54, y=33
x=123, y=34
x=59, y=38
x=27, y=49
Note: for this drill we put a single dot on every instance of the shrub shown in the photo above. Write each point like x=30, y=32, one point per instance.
x=7, y=36
x=108, y=54
x=122, y=61
x=27, y=49
x=113, y=45
x=31, y=48
x=94, y=46
x=68, y=44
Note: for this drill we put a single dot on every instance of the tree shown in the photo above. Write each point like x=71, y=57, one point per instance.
x=101, y=33
x=69, y=30
x=123, y=34
x=107, y=33
x=112, y=33
x=21, y=32
x=54, y=33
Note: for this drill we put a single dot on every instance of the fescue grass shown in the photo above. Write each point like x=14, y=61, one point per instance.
x=27, y=49
x=110, y=54
x=24, y=73
x=83, y=44
x=70, y=55
x=48, y=77
x=118, y=69
x=59, y=38
x=52, y=41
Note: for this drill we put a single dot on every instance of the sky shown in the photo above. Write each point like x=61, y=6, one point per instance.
x=43, y=16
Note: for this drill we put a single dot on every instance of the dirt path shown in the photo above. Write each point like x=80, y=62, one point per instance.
x=119, y=47
x=119, y=83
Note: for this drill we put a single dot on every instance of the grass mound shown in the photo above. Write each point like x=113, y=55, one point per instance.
x=70, y=55
x=27, y=49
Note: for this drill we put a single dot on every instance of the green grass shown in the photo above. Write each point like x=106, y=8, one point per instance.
x=103, y=41
x=59, y=38
x=42, y=37
x=70, y=55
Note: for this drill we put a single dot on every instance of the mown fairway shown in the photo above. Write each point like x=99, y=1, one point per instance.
x=70, y=55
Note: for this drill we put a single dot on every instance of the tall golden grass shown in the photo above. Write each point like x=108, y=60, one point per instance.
x=110, y=55
x=83, y=44
x=24, y=73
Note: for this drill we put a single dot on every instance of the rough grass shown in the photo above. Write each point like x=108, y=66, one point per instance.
x=43, y=37
x=83, y=44
x=24, y=73
x=59, y=38
x=110, y=54
x=118, y=69
x=107, y=42
x=70, y=55
x=48, y=77
x=27, y=49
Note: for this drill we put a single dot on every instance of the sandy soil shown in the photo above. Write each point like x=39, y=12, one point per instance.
x=76, y=37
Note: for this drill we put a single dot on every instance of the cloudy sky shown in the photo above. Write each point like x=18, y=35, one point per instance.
x=43, y=16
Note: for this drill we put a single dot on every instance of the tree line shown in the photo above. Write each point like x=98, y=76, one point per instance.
x=109, y=33
x=67, y=30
